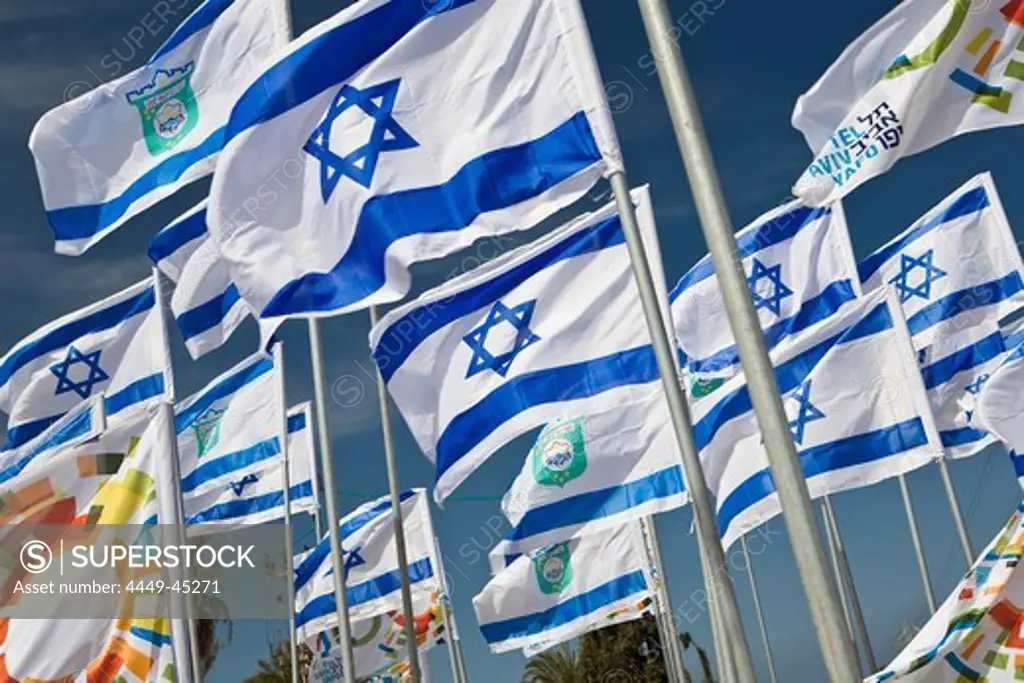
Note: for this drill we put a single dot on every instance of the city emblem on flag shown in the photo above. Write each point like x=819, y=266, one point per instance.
x=553, y=568
x=167, y=106
x=207, y=430
x=500, y=319
x=560, y=454
x=66, y=377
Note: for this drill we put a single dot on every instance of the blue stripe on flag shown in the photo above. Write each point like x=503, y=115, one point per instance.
x=200, y=19
x=226, y=387
x=232, y=462
x=593, y=505
x=970, y=202
x=494, y=181
x=412, y=329
x=963, y=436
x=979, y=353
x=78, y=426
x=766, y=235
x=209, y=315
x=296, y=422
x=978, y=296
x=565, y=383
x=175, y=236
x=150, y=636
x=828, y=457
x=72, y=331
x=240, y=509
x=565, y=612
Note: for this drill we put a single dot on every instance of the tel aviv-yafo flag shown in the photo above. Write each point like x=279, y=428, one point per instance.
x=551, y=329
x=857, y=407
x=564, y=590
x=928, y=71
x=800, y=268
x=403, y=131
x=115, y=347
x=592, y=472
x=258, y=497
x=957, y=266
x=115, y=151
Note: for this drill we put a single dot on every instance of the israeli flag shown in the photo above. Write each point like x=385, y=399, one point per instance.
x=115, y=151
x=550, y=329
x=230, y=429
x=956, y=267
x=84, y=422
x=593, y=472
x=857, y=407
x=800, y=269
x=115, y=347
x=206, y=304
x=258, y=497
x=399, y=132
x=1001, y=404
x=372, y=576
x=564, y=590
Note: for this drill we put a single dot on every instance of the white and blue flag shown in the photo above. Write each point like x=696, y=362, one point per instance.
x=372, y=576
x=564, y=590
x=1000, y=404
x=403, y=131
x=230, y=429
x=857, y=407
x=258, y=497
x=956, y=267
x=82, y=423
x=551, y=329
x=115, y=151
x=593, y=472
x=800, y=269
x=115, y=347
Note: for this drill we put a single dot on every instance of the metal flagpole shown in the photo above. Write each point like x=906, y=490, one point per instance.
x=396, y=506
x=822, y=596
x=915, y=537
x=760, y=613
x=289, y=543
x=830, y=538
x=330, y=499
x=448, y=613
x=669, y=631
x=958, y=517
x=851, y=588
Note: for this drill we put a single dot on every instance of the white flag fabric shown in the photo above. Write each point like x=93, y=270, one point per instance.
x=857, y=407
x=594, y=472
x=564, y=590
x=371, y=565
x=83, y=422
x=403, y=131
x=957, y=266
x=229, y=430
x=1001, y=402
x=800, y=269
x=115, y=347
x=258, y=497
x=550, y=329
x=927, y=72
x=115, y=151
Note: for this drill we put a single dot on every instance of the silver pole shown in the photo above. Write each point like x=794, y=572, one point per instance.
x=958, y=517
x=915, y=536
x=289, y=543
x=851, y=589
x=448, y=611
x=760, y=613
x=822, y=596
x=403, y=560
x=330, y=499
x=830, y=538
x=670, y=633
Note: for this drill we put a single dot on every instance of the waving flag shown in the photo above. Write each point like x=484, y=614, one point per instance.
x=957, y=266
x=371, y=565
x=550, y=329
x=857, y=408
x=114, y=347
x=119, y=149
x=800, y=268
x=564, y=590
x=348, y=161
x=928, y=71
x=594, y=472
x=1001, y=402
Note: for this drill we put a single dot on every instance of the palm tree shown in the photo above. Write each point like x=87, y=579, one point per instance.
x=687, y=641
x=278, y=667
x=554, y=666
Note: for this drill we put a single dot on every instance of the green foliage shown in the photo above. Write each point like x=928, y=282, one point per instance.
x=277, y=668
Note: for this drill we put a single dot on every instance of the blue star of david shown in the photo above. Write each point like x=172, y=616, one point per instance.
x=519, y=318
x=910, y=264
x=377, y=102
x=975, y=387
x=353, y=559
x=240, y=486
x=777, y=288
x=74, y=357
x=806, y=412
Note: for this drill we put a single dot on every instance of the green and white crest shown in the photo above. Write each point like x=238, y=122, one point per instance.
x=207, y=430
x=167, y=107
x=560, y=454
x=553, y=567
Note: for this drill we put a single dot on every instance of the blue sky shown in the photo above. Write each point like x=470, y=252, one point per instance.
x=749, y=62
